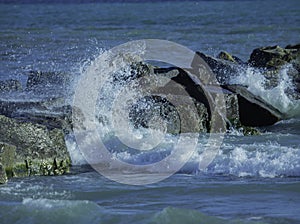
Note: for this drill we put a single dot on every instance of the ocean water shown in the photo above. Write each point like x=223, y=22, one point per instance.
x=252, y=179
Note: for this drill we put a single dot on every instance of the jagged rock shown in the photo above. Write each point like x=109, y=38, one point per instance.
x=222, y=69
x=7, y=158
x=3, y=177
x=181, y=114
x=49, y=112
x=296, y=46
x=39, y=151
x=10, y=85
x=273, y=57
x=228, y=57
x=200, y=94
x=254, y=111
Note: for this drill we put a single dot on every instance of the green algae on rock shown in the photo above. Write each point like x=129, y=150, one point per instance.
x=273, y=57
x=32, y=149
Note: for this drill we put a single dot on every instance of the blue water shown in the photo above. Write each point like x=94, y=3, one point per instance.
x=253, y=179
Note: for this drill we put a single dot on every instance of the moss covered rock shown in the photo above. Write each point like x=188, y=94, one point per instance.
x=273, y=57
x=228, y=57
x=32, y=149
x=3, y=177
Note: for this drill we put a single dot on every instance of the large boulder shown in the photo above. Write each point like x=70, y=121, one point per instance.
x=254, y=111
x=180, y=114
x=274, y=57
x=274, y=62
x=223, y=69
x=32, y=149
x=203, y=96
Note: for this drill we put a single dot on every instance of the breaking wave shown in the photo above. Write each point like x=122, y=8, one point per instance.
x=278, y=90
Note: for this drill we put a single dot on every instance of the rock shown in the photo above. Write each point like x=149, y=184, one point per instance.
x=52, y=113
x=249, y=130
x=273, y=57
x=200, y=96
x=10, y=85
x=223, y=69
x=7, y=157
x=228, y=57
x=254, y=111
x=186, y=87
x=296, y=46
x=180, y=114
x=3, y=177
x=39, y=151
x=53, y=84
x=36, y=78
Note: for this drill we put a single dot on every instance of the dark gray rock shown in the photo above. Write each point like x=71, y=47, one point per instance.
x=253, y=111
x=10, y=85
x=53, y=113
x=222, y=69
x=39, y=78
x=273, y=57
x=180, y=114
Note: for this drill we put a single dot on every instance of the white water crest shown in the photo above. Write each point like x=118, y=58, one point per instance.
x=276, y=96
x=120, y=107
x=145, y=146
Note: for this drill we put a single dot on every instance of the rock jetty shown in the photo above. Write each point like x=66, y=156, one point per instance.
x=32, y=132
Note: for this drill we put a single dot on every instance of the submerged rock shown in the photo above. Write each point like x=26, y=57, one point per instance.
x=31, y=149
x=10, y=85
x=39, y=78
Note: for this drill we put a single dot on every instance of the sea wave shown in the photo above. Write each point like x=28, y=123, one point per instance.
x=52, y=211
x=254, y=156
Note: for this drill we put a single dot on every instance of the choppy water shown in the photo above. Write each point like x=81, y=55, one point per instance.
x=253, y=179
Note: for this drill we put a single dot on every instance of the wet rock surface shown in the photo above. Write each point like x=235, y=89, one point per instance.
x=32, y=129
x=10, y=85
x=31, y=149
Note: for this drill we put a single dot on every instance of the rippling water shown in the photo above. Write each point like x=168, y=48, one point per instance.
x=253, y=179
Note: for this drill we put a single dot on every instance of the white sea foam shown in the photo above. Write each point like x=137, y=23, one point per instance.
x=268, y=159
x=265, y=159
x=276, y=96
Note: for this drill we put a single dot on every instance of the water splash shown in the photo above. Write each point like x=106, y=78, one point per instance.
x=282, y=95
